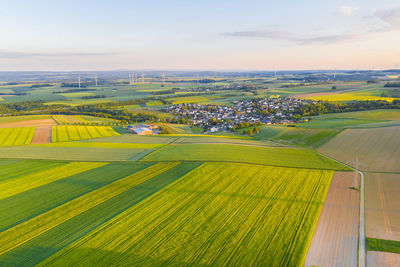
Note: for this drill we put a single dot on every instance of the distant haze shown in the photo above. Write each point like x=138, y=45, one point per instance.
x=199, y=35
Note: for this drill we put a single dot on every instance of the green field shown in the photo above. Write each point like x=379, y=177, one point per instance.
x=72, y=133
x=275, y=156
x=16, y=136
x=23, y=118
x=80, y=153
x=101, y=145
x=65, y=210
x=192, y=221
x=311, y=138
x=188, y=99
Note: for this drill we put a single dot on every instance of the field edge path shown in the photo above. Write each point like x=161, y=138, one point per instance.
x=361, y=238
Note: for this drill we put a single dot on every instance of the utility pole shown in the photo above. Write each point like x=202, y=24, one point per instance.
x=355, y=174
x=79, y=82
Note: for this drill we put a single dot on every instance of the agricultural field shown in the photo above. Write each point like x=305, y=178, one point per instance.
x=74, y=194
x=42, y=135
x=188, y=99
x=377, y=258
x=361, y=119
x=73, y=133
x=26, y=121
x=67, y=119
x=16, y=136
x=382, y=201
x=336, y=233
x=69, y=208
x=275, y=156
x=376, y=148
x=346, y=97
x=154, y=103
x=312, y=138
x=377, y=152
x=170, y=213
x=8, y=119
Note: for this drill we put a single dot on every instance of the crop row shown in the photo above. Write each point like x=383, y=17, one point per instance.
x=65, y=119
x=45, y=221
x=20, y=184
x=79, y=220
x=16, y=136
x=13, y=210
x=220, y=214
x=71, y=132
x=275, y=156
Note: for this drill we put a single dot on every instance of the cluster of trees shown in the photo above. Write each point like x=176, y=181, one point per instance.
x=73, y=91
x=166, y=92
x=93, y=96
x=392, y=84
x=41, y=85
x=253, y=131
x=72, y=85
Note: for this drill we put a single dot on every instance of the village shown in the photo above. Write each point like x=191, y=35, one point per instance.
x=213, y=118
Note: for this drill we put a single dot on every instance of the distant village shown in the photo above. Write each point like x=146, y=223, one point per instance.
x=213, y=118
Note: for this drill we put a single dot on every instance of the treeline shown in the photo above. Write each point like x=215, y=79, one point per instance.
x=392, y=84
x=124, y=116
x=329, y=107
x=93, y=96
x=41, y=85
x=96, y=110
x=73, y=85
x=74, y=91
x=166, y=92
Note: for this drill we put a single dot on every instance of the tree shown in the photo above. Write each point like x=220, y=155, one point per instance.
x=165, y=130
x=334, y=87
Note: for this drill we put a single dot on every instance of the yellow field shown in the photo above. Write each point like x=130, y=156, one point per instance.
x=16, y=136
x=220, y=214
x=349, y=97
x=37, y=225
x=66, y=119
x=12, y=187
x=72, y=133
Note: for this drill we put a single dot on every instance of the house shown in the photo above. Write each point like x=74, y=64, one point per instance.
x=214, y=129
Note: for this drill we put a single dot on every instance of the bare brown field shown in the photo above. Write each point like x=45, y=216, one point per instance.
x=382, y=259
x=29, y=123
x=41, y=135
x=382, y=206
x=377, y=149
x=335, y=238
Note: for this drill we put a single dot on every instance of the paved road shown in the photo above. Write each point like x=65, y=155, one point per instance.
x=361, y=239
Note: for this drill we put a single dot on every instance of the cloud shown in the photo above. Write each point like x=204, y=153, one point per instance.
x=287, y=36
x=347, y=10
x=17, y=54
x=390, y=18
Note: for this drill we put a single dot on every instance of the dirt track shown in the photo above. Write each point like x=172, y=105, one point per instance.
x=335, y=238
x=29, y=123
x=382, y=259
x=41, y=135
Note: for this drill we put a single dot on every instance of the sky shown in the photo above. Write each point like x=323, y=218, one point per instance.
x=199, y=35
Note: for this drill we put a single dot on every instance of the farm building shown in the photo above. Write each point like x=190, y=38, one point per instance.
x=142, y=131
